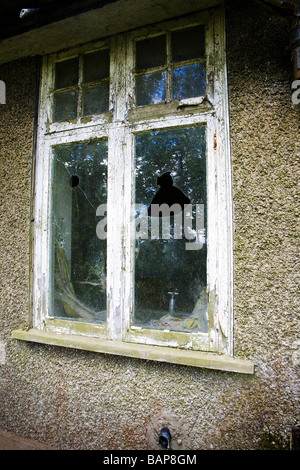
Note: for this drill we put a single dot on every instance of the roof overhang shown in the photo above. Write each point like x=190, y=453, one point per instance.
x=85, y=25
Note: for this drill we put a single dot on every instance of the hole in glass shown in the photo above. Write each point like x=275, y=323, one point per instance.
x=170, y=251
x=78, y=255
x=74, y=181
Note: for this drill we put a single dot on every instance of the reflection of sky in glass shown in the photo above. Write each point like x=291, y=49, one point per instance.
x=188, y=81
x=151, y=88
x=180, y=151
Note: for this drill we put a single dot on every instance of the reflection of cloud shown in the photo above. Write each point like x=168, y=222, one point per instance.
x=188, y=81
x=196, y=235
x=151, y=88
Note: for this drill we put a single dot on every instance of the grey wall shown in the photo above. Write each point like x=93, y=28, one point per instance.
x=78, y=400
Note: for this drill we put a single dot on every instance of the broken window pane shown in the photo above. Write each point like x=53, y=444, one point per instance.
x=96, y=66
x=66, y=73
x=188, y=81
x=170, y=251
x=95, y=99
x=79, y=186
x=151, y=88
x=151, y=53
x=188, y=44
x=65, y=106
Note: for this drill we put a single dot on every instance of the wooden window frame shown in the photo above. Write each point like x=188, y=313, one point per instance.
x=119, y=126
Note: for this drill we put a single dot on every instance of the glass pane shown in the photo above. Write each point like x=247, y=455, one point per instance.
x=151, y=88
x=96, y=66
x=65, y=106
x=188, y=81
x=170, y=261
x=151, y=52
x=66, y=73
x=95, y=99
x=79, y=187
x=188, y=44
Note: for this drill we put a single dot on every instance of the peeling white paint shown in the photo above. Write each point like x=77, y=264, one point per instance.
x=119, y=127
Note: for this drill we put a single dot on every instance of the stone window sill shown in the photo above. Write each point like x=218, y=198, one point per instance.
x=139, y=351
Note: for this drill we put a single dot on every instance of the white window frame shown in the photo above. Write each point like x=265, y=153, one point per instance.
x=119, y=126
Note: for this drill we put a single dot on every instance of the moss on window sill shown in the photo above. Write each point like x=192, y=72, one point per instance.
x=139, y=351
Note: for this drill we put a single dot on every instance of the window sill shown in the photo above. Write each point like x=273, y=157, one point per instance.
x=139, y=351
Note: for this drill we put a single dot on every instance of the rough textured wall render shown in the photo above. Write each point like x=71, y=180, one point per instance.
x=78, y=400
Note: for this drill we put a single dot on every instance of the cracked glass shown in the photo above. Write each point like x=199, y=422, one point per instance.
x=79, y=186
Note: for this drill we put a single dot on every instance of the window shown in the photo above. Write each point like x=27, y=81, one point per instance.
x=81, y=86
x=133, y=235
x=171, y=66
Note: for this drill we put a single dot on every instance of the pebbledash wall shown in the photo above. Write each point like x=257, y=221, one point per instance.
x=72, y=399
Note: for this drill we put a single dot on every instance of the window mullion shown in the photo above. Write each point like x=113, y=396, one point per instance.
x=80, y=80
x=119, y=195
x=212, y=233
x=119, y=263
x=169, y=69
x=118, y=78
x=114, y=233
